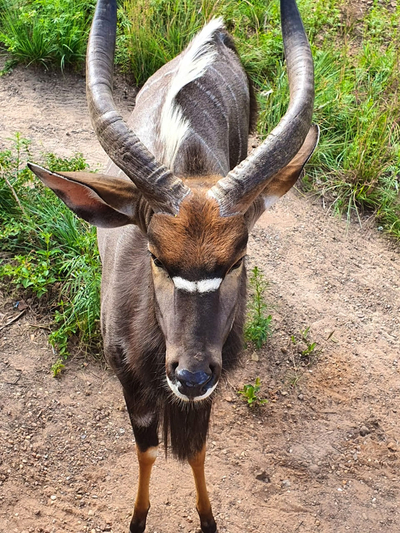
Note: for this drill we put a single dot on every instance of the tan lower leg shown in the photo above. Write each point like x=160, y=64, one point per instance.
x=146, y=461
x=203, y=501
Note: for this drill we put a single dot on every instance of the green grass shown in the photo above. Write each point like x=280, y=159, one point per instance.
x=48, y=252
x=152, y=32
x=358, y=106
x=46, y=32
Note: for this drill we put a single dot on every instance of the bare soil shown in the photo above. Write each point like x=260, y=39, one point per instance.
x=321, y=456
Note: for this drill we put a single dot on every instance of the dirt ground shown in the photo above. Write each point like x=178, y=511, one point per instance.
x=321, y=456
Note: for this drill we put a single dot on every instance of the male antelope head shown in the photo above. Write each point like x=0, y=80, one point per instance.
x=174, y=210
x=198, y=273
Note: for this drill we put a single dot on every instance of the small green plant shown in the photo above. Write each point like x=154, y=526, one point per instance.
x=30, y=272
x=294, y=377
x=250, y=393
x=57, y=368
x=8, y=67
x=307, y=349
x=258, y=325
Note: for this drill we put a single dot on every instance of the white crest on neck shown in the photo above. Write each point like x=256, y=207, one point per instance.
x=194, y=62
x=202, y=286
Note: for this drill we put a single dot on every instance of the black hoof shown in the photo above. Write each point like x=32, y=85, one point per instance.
x=137, y=526
x=209, y=527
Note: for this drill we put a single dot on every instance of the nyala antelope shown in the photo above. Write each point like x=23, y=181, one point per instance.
x=174, y=210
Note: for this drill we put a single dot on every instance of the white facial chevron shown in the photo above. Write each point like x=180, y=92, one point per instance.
x=204, y=285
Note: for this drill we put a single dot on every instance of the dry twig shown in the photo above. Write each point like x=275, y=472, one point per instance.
x=12, y=320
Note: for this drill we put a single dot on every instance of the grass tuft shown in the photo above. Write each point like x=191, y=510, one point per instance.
x=46, y=32
x=49, y=252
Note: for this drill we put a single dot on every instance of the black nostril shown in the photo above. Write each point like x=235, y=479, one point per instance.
x=194, y=384
x=193, y=379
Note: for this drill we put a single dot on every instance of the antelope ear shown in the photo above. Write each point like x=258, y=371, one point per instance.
x=283, y=180
x=99, y=199
x=287, y=177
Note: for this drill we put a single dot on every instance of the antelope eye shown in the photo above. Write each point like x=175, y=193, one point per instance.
x=156, y=261
x=237, y=264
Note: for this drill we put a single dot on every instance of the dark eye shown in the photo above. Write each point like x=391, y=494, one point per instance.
x=156, y=261
x=237, y=264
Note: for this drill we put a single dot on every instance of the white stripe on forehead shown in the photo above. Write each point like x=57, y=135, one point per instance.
x=204, y=285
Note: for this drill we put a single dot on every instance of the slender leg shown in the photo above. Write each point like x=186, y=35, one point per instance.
x=145, y=429
x=142, y=503
x=207, y=521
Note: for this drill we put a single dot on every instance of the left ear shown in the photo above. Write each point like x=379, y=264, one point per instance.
x=284, y=180
x=101, y=200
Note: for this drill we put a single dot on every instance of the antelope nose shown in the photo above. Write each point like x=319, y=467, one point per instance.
x=193, y=384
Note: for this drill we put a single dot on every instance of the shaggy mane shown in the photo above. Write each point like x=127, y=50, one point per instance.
x=196, y=59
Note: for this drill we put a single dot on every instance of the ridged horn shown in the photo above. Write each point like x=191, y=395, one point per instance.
x=159, y=186
x=239, y=188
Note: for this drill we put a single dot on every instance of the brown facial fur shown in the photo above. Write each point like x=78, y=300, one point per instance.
x=198, y=242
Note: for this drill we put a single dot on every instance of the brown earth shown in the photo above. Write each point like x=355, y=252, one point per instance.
x=321, y=456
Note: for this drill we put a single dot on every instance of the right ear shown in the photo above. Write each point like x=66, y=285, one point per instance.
x=99, y=199
x=283, y=180
x=287, y=176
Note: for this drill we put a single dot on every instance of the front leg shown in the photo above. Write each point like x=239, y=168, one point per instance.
x=142, y=503
x=145, y=429
x=207, y=521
